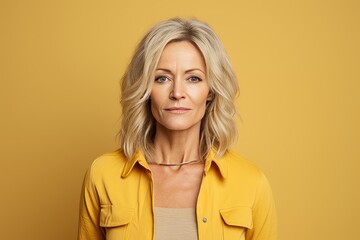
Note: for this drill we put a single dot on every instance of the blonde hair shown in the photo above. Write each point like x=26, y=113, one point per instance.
x=218, y=127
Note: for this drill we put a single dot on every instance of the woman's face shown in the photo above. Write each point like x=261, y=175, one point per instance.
x=180, y=90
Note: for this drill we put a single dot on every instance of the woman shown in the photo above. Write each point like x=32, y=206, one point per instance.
x=174, y=176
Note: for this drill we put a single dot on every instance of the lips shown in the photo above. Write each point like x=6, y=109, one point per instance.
x=177, y=109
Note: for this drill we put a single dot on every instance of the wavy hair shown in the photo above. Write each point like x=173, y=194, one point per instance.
x=218, y=127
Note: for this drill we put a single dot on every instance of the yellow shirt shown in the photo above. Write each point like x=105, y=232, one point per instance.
x=234, y=202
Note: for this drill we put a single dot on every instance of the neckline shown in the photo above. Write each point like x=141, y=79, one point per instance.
x=176, y=164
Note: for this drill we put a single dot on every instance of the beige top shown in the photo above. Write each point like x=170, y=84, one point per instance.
x=175, y=224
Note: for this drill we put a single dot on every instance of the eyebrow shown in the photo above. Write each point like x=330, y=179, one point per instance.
x=187, y=71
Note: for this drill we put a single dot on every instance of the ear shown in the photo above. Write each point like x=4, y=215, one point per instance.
x=210, y=96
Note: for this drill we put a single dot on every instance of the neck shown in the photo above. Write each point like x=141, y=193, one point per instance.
x=173, y=147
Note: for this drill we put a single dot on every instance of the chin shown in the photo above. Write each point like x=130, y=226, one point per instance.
x=180, y=126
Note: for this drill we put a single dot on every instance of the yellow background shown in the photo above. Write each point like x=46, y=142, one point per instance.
x=298, y=68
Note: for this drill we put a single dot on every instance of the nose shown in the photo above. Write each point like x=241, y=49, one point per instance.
x=177, y=91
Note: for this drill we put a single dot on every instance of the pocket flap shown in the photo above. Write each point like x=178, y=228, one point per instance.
x=237, y=216
x=114, y=216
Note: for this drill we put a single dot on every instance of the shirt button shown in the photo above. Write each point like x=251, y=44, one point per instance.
x=204, y=220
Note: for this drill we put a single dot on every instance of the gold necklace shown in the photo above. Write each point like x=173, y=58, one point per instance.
x=175, y=164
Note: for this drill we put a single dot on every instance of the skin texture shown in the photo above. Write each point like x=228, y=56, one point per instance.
x=178, y=103
x=180, y=89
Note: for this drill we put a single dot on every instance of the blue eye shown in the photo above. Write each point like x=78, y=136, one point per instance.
x=194, y=79
x=161, y=79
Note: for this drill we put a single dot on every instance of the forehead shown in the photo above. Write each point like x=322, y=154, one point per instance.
x=184, y=53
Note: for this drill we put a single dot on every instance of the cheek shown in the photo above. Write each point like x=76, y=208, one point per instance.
x=155, y=105
x=200, y=97
x=154, y=99
x=158, y=96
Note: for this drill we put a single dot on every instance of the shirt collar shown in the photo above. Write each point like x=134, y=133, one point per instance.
x=138, y=157
x=219, y=162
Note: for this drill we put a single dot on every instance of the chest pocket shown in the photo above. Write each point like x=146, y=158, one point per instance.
x=115, y=221
x=236, y=221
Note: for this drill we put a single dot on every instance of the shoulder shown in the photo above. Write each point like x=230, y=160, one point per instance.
x=114, y=157
x=242, y=169
x=107, y=164
x=239, y=163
